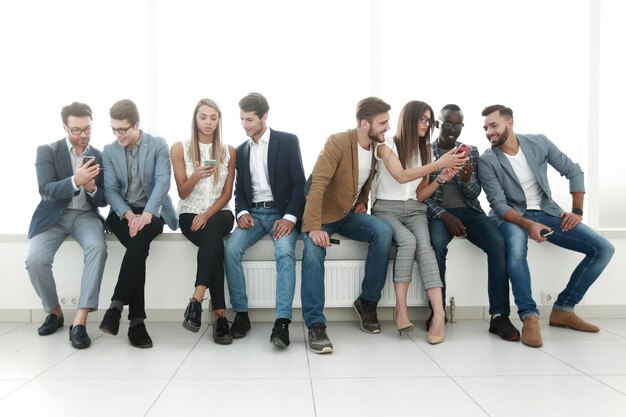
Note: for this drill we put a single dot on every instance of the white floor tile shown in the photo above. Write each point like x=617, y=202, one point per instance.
x=494, y=356
x=7, y=386
x=18, y=361
x=554, y=396
x=438, y=396
x=615, y=326
x=235, y=397
x=617, y=382
x=592, y=356
x=121, y=362
x=159, y=332
x=8, y=327
x=79, y=398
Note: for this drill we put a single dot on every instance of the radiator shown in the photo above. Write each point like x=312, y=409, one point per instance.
x=342, y=284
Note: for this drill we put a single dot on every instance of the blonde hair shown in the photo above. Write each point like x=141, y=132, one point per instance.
x=194, y=147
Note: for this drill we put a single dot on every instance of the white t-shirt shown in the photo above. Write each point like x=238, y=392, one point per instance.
x=206, y=191
x=365, y=167
x=385, y=185
x=527, y=179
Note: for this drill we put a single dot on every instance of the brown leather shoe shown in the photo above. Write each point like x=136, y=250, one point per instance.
x=531, y=333
x=572, y=321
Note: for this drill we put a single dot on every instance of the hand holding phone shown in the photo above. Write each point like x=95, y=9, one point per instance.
x=210, y=163
x=546, y=232
x=88, y=158
x=463, y=148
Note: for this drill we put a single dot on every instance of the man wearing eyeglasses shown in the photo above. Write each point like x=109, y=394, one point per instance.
x=514, y=175
x=454, y=210
x=72, y=188
x=136, y=181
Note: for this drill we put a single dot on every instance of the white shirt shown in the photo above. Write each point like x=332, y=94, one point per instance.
x=527, y=179
x=386, y=187
x=259, y=174
x=365, y=168
x=206, y=191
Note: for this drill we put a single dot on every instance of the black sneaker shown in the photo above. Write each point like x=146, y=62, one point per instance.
x=139, y=337
x=430, y=319
x=280, y=333
x=318, y=339
x=503, y=327
x=367, y=315
x=221, y=331
x=111, y=321
x=193, y=315
x=241, y=325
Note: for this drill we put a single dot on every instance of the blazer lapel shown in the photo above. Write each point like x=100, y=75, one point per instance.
x=64, y=161
x=272, y=152
x=504, y=162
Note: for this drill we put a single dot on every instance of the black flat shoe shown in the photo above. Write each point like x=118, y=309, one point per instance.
x=139, y=337
x=79, y=337
x=193, y=315
x=280, y=333
x=111, y=321
x=50, y=325
x=241, y=325
x=221, y=331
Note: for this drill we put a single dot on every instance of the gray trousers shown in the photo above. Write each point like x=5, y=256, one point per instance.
x=86, y=227
x=409, y=223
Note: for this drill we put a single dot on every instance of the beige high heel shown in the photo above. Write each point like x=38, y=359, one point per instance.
x=433, y=339
x=405, y=326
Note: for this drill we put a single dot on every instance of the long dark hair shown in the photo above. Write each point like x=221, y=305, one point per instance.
x=407, y=138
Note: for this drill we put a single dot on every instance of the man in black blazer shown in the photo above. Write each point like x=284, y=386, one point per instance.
x=268, y=199
x=71, y=185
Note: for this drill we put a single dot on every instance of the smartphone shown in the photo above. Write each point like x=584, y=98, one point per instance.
x=546, y=232
x=466, y=149
x=210, y=163
x=88, y=158
x=335, y=241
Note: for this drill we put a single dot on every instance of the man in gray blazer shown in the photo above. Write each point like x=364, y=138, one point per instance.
x=72, y=188
x=513, y=173
x=136, y=182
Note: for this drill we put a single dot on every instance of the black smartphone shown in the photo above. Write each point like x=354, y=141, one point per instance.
x=335, y=241
x=88, y=158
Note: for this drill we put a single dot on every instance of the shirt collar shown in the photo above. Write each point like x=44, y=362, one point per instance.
x=265, y=138
x=70, y=147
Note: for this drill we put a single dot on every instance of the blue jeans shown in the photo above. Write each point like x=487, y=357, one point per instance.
x=597, y=250
x=482, y=232
x=284, y=252
x=356, y=226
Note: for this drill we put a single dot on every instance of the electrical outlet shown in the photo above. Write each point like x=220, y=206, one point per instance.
x=548, y=297
x=68, y=300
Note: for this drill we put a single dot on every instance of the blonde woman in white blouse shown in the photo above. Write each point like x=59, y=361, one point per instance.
x=204, y=170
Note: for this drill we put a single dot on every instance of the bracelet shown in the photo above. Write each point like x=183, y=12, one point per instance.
x=439, y=182
x=577, y=211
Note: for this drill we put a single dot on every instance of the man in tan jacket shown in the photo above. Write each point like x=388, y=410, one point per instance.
x=337, y=203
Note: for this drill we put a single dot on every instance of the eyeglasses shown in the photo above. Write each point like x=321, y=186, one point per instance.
x=450, y=125
x=120, y=130
x=425, y=120
x=78, y=131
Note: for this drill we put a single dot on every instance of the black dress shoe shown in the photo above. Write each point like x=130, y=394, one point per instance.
x=50, y=325
x=241, y=325
x=79, y=337
x=193, y=315
x=503, y=327
x=111, y=321
x=280, y=333
x=221, y=331
x=139, y=337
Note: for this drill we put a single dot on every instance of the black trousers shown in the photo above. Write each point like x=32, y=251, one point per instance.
x=210, y=243
x=132, y=278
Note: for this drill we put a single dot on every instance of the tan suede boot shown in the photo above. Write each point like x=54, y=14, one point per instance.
x=572, y=321
x=531, y=333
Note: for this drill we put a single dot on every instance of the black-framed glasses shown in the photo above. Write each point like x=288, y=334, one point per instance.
x=450, y=125
x=425, y=120
x=120, y=130
x=78, y=131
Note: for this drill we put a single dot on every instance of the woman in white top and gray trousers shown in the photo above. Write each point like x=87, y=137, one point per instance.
x=403, y=163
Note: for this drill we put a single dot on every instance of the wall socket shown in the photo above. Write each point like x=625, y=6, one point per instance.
x=68, y=300
x=548, y=297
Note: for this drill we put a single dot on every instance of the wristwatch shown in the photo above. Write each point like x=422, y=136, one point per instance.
x=439, y=182
x=577, y=211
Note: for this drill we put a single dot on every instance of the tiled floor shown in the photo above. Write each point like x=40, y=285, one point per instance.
x=472, y=373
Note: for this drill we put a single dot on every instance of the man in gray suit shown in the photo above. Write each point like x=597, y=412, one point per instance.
x=72, y=188
x=513, y=173
x=136, y=182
